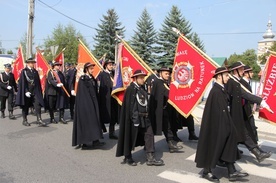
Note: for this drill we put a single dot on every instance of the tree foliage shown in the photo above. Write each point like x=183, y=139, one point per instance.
x=144, y=38
x=167, y=39
x=106, y=35
x=64, y=37
x=249, y=58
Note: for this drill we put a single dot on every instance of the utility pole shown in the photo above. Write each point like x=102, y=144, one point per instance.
x=29, y=51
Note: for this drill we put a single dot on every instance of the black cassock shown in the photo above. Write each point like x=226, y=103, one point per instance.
x=128, y=138
x=23, y=87
x=87, y=125
x=218, y=135
x=236, y=95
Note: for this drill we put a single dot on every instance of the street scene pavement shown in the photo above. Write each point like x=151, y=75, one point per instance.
x=44, y=154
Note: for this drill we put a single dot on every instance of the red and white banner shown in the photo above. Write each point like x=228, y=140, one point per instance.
x=42, y=67
x=18, y=64
x=192, y=72
x=60, y=58
x=269, y=90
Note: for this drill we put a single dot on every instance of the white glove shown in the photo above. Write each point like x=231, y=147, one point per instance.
x=264, y=104
x=28, y=94
x=59, y=85
x=73, y=92
x=9, y=87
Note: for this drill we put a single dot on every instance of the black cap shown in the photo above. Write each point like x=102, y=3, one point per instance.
x=30, y=60
x=55, y=63
x=107, y=62
x=220, y=70
x=138, y=73
x=67, y=64
x=86, y=65
x=236, y=65
x=165, y=69
x=7, y=65
x=247, y=68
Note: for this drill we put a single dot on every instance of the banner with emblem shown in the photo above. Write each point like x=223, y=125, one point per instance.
x=18, y=64
x=192, y=72
x=269, y=90
x=60, y=58
x=84, y=55
x=127, y=62
x=42, y=68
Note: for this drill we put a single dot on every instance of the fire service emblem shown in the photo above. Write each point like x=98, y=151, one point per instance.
x=183, y=75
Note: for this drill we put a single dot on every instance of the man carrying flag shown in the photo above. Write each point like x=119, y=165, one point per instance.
x=30, y=92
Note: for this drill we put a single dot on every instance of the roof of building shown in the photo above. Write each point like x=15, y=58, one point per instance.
x=220, y=60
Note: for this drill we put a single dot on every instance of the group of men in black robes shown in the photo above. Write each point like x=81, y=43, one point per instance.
x=225, y=125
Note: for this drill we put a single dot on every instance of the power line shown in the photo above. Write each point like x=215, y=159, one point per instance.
x=66, y=15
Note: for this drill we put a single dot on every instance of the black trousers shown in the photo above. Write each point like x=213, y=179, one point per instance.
x=166, y=126
x=249, y=143
x=32, y=101
x=52, y=99
x=72, y=104
x=3, y=100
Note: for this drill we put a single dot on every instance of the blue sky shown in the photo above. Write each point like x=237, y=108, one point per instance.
x=248, y=18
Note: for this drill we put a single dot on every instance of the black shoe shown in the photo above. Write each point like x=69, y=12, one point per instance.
x=40, y=122
x=221, y=164
x=25, y=123
x=97, y=144
x=61, y=120
x=11, y=116
x=151, y=161
x=209, y=176
x=53, y=120
x=3, y=115
x=113, y=136
x=260, y=156
x=236, y=175
x=129, y=161
x=192, y=136
x=86, y=147
x=174, y=148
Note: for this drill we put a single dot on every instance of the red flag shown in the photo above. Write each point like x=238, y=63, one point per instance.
x=269, y=90
x=18, y=64
x=84, y=55
x=192, y=72
x=60, y=58
x=128, y=61
x=42, y=67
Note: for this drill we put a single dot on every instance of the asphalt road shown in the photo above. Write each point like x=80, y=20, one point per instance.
x=44, y=154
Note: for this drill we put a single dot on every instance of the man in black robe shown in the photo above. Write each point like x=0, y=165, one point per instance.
x=30, y=92
x=135, y=127
x=218, y=135
x=108, y=105
x=247, y=109
x=7, y=89
x=71, y=79
x=160, y=111
x=237, y=94
x=57, y=98
x=87, y=126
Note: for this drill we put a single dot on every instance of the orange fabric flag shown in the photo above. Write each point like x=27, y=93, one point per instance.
x=84, y=55
x=18, y=64
x=42, y=67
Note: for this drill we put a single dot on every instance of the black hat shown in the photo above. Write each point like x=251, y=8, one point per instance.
x=247, y=68
x=7, y=66
x=138, y=73
x=236, y=65
x=220, y=70
x=55, y=63
x=30, y=60
x=67, y=64
x=165, y=69
x=86, y=65
x=107, y=62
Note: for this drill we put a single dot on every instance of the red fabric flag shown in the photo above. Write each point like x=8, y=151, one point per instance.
x=60, y=58
x=84, y=55
x=128, y=61
x=269, y=90
x=18, y=64
x=192, y=72
x=42, y=67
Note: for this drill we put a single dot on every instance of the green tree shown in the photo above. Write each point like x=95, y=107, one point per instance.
x=167, y=38
x=106, y=35
x=23, y=43
x=64, y=37
x=263, y=58
x=196, y=40
x=10, y=52
x=144, y=38
x=249, y=58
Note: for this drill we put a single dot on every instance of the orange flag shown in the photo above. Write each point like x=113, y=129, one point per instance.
x=18, y=64
x=192, y=72
x=60, y=58
x=42, y=67
x=84, y=55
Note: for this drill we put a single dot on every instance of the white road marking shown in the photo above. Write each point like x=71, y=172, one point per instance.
x=182, y=176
